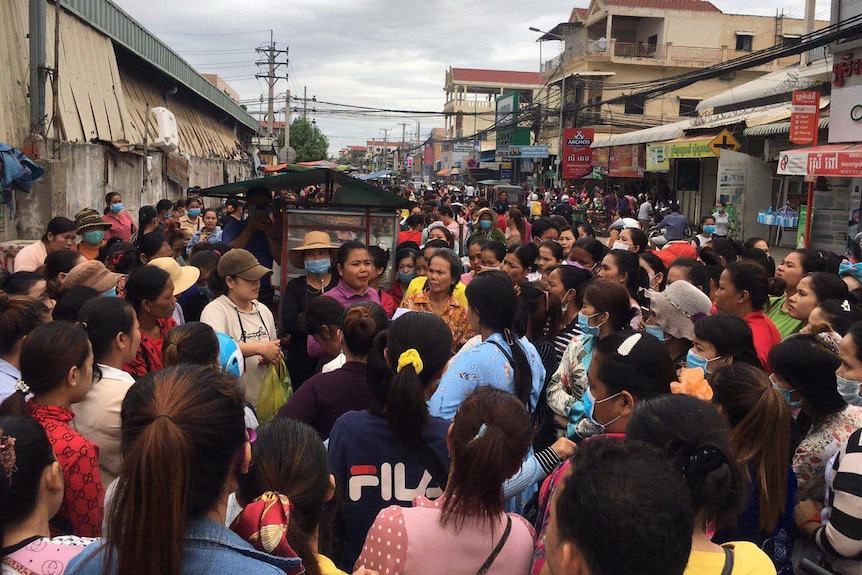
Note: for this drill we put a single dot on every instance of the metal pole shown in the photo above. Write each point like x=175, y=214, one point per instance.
x=270, y=110
x=562, y=107
x=809, y=210
x=38, y=58
x=287, y=121
x=55, y=74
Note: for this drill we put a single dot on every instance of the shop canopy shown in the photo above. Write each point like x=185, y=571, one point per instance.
x=843, y=160
x=375, y=175
x=346, y=190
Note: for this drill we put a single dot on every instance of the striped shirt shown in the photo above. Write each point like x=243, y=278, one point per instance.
x=841, y=537
x=565, y=337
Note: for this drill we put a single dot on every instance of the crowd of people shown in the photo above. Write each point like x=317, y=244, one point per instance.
x=524, y=397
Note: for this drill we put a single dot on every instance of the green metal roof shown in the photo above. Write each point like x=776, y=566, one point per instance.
x=111, y=20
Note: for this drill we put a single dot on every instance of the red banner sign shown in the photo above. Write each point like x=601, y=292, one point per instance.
x=627, y=161
x=577, y=155
x=428, y=156
x=804, y=117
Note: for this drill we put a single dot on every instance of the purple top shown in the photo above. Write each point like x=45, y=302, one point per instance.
x=348, y=297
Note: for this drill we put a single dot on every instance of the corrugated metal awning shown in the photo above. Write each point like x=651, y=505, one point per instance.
x=777, y=128
x=654, y=134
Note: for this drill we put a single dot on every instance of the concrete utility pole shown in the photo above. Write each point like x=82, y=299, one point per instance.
x=401, y=150
x=272, y=63
x=385, y=148
x=38, y=62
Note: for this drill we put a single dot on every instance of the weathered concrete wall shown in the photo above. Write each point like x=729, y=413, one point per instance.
x=83, y=173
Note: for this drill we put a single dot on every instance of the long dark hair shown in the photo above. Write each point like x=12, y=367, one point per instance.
x=182, y=429
x=401, y=392
x=637, y=280
x=362, y=322
x=19, y=315
x=103, y=318
x=193, y=342
x=645, y=370
x=490, y=436
x=492, y=296
x=290, y=459
x=751, y=277
x=730, y=336
x=145, y=284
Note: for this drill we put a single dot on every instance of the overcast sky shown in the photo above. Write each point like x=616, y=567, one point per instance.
x=380, y=53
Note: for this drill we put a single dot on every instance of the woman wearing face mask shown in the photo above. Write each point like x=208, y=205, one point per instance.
x=567, y=283
x=485, y=227
x=315, y=257
x=405, y=260
x=91, y=227
x=191, y=222
x=673, y=316
x=707, y=228
x=587, y=253
x=655, y=269
x=792, y=269
x=493, y=254
x=813, y=289
x=632, y=240
x=805, y=372
x=721, y=339
x=604, y=310
x=59, y=235
x=624, y=268
x=210, y=233
x=121, y=222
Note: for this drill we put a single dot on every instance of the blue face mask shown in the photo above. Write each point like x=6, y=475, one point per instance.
x=194, y=212
x=95, y=237
x=204, y=290
x=590, y=406
x=584, y=324
x=657, y=332
x=116, y=208
x=485, y=224
x=407, y=277
x=111, y=292
x=849, y=390
x=709, y=230
x=787, y=393
x=170, y=216
x=694, y=360
x=318, y=267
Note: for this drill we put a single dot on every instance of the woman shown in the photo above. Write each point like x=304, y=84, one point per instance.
x=655, y=270
x=114, y=333
x=405, y=261
x=237, y=313
x=30, y=284
x=154, y=245
x=694, y=438
x=707, y=228
x=604, y=310
x=192, y=221
x=93, y=274
x=31, y=493
x=485, y=227
x=493, y=254
x=209, y=233
x=474, y=255
x=327, y=396
x=58, y=264
x=19, y=315
x=91, y=227
x=59, y=235
x=520, y=263
x=804, y=371
x=674, y=313
x=760, y=423
x=121, y=222
x=288, y=487
x=398, y=431
x=550, y=256
x=185, y=445
x=354, y=268
x=315, y=257
x=488, y=440
x=150, y=290
x=797, y=265
x=567, y=240
x=57, y=368
x=500, y=360
x=719, y=340
x=812, y=289
x=516, y=230
x=624, y=268
x=635, y=240
x=148, y=218
x=833, y=316
x=567, y=283
x=743, y=291
x=322, y=321
x=587, y=253
x=444, y=271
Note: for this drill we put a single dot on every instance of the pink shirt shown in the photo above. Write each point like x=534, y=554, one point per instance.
x=122, y=226
x=30, y=258
x=398, y=543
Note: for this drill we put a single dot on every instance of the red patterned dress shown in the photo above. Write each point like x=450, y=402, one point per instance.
x=84, y=497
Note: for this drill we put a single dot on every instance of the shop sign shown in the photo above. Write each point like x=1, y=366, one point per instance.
x=528, y=151
x=829, y=162
x=657, y=159
x=577, y=155
x=845, y=104
x=804, y=116
x=626, y=161
x=690, y=149
x=506, y=171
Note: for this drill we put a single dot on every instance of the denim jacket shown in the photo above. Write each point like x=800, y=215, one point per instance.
x=209, y=548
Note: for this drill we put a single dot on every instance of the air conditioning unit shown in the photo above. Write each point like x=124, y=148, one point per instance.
x=167, y=135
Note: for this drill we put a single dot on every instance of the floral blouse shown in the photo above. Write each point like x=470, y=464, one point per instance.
x=569, y=382
x=818, y=447
x=454, y=314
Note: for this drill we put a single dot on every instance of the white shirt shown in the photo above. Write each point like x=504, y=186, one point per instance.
x=9, y=376
x=721, y=223
x=644, y=211
x=109, y=372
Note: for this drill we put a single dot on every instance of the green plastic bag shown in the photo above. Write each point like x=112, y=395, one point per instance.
x=275, y=390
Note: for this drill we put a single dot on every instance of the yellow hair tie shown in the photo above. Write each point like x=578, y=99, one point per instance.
x=410, y=357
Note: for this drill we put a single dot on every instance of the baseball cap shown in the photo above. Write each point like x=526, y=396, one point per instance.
x=241, y=263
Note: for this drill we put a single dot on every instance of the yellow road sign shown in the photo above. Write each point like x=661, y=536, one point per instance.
x=724, y=141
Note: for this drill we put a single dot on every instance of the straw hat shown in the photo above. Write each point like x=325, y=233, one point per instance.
x=92, y=274
x=184, y=277
x=487, y=211
x=678, y=307
x=311, y=241
x=88, y=220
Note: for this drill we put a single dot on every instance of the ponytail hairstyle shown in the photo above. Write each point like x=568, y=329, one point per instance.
x=839, y=315
x=751, y=277
x=538, y=314
x=150, y=245
x=631, y=362
x=362, y=322
x=290, y=459
x=417, y=347
x=555, y=248
x=47, y=355
x=19, y=315
x=60, y=263
x=657, y=266
x=182, y=431
x=518, y=219
x=760, y=436
x=492, y=296
x=490, y=436
x=25, y=452
x=695, y=439
x=526, y=254
x=103, y=318
x=826, y=286
x=192, y=343
x=637, y=279
x=495, y=247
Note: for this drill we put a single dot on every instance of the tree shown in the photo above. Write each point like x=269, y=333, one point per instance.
x=308, y=141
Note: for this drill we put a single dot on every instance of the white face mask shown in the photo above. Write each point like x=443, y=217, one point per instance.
x=618, y=245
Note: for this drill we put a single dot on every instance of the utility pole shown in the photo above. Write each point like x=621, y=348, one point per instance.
x=38, y=64
x=401, y=149
x=305, y=103
x=272, y=62
x=385, y=148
